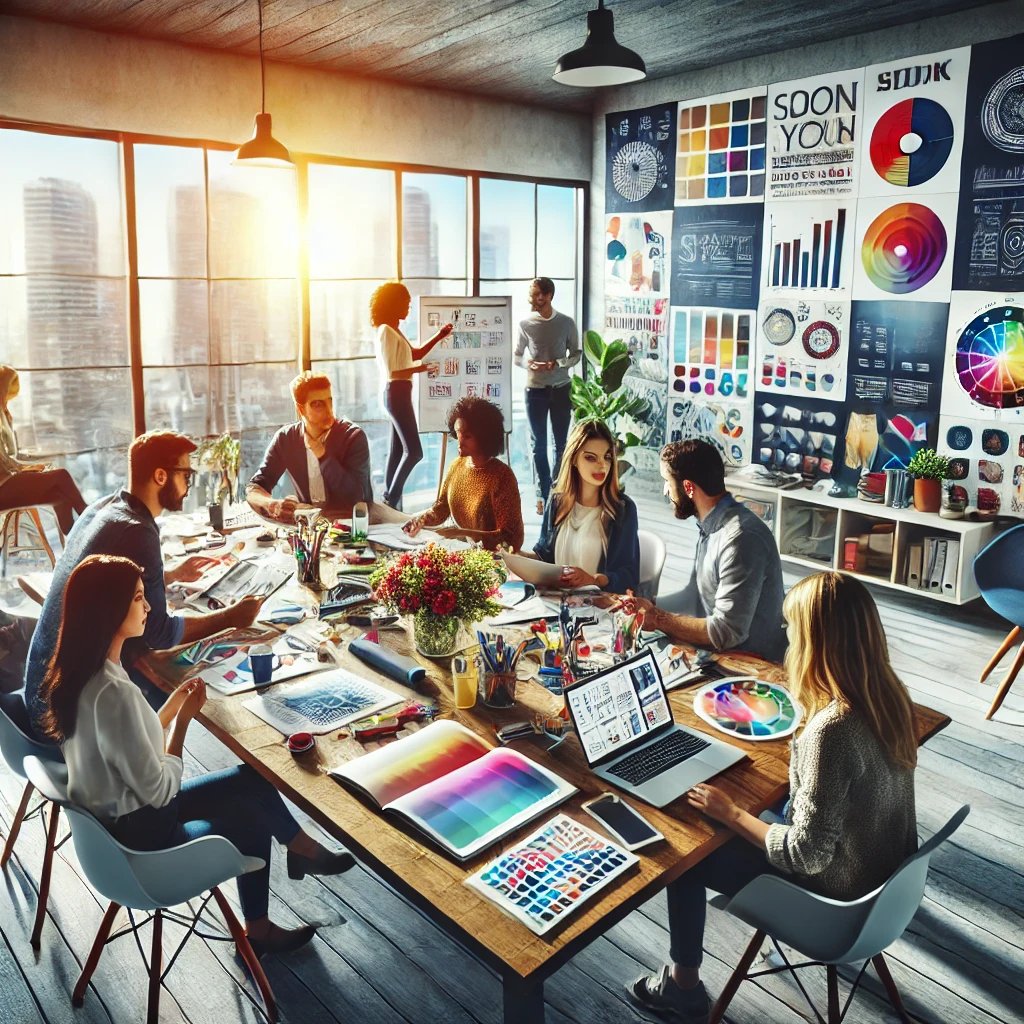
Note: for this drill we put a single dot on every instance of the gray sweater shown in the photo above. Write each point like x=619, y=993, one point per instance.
x=851, y=819
x=543, y=341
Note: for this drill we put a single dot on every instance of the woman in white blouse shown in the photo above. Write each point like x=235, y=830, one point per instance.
x=397, y=361
x=124, y=758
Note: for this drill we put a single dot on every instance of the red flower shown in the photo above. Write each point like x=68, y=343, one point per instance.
x=423, y=563
x=414, y=603
x=444, y=603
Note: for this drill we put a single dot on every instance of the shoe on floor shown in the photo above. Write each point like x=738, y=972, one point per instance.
x=540, y=506
x=283, y=940
x=660, y=994
x=324, y=863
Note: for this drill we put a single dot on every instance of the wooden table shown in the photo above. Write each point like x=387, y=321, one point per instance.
x=433, y=882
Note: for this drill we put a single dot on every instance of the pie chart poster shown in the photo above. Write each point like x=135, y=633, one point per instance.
x=989, y=253
x=640, y=160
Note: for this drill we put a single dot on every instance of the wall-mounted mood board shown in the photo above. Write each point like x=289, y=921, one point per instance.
x=827, y=274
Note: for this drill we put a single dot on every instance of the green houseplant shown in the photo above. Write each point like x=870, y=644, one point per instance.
x=220, y=458
x=928, y=469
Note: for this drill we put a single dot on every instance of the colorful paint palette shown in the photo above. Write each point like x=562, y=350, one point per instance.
x=545, y=878
x=990, y=358
x=748, y=708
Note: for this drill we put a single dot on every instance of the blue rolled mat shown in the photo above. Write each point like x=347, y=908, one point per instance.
x=394, y=666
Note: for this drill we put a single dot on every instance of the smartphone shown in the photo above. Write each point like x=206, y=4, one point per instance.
x=622, y=822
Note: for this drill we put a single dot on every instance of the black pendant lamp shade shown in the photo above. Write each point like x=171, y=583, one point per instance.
x=600, y=60
x=262, y=150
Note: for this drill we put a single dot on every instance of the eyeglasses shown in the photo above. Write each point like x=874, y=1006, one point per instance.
x=190, y=474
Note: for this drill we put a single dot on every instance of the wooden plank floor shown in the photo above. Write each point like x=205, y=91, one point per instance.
x=377, y=961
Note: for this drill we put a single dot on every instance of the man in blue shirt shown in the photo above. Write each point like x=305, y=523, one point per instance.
x=159, y=477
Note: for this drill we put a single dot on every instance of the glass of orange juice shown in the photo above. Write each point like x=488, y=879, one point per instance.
x=464, y=681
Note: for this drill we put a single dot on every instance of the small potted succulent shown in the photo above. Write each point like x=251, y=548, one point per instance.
x=928, y=469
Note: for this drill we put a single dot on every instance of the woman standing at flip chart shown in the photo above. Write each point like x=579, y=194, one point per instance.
x=397, y=361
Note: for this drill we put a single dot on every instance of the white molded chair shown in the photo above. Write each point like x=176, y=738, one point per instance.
x=828, y=931
x=15, y=746
x=152, y=881
x=652, y=561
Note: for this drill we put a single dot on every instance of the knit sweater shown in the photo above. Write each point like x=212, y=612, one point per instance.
x=480, y=498
x=851, y=820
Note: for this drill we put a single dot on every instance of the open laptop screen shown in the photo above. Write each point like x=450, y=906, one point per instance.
x=619, y=708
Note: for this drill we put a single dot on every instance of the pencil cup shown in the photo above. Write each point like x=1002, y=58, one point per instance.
x=464, y=681
x=498, y=689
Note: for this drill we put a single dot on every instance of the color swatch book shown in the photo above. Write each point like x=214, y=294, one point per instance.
x=542, y=880
x=464, y=794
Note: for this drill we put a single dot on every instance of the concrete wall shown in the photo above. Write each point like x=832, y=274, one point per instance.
x=995, y=21
x=63, y=75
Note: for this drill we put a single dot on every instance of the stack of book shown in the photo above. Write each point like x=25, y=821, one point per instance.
x=933, y=565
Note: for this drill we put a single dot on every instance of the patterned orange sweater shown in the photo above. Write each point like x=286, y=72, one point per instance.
x=481, y=498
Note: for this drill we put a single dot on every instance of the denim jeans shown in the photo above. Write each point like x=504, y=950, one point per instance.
x=540, y=403
x=405, y=451
x=236, y=803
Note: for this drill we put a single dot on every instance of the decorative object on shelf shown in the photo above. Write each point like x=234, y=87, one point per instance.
x=929, y=469
x=602, y=59
x=262, y=150
x=442, y=589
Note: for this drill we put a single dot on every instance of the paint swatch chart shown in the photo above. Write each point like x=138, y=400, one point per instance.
x=749, y=708
x=544, y=879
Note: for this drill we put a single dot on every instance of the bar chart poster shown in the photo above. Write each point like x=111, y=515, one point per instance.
x=808, y=248
x=814, y=131
x=716, y=255
x=914, y=124
x=905, y=249
x=637, y=254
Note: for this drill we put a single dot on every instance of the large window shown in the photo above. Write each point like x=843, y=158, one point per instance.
x=223, y=265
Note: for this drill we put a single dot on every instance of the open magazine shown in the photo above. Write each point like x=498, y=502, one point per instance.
x=445, y=780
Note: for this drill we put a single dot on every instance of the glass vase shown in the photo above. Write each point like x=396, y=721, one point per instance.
x=435, y=635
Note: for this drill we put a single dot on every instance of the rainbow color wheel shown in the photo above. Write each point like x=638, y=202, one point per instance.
x=911, y=142
x=748, y=708
x=990, y=358
x=903, y=248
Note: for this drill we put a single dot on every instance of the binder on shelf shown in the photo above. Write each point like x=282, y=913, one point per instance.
x=949, y=575
x=927, y=561
x=915, y=552
x=935, y=578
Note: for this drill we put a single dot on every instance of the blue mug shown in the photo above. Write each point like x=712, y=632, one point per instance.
x=261, y=662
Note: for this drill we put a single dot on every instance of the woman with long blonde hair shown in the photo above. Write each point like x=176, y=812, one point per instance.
x=850, y=820
x=590, y=526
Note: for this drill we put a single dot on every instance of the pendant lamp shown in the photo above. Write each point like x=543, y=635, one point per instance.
x=600, y=60
x=262, y=150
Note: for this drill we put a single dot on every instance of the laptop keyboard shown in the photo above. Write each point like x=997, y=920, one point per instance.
x=652, y=760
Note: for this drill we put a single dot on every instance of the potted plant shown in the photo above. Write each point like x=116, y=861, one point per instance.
x=928, y=469
x=440, y=589
x=220, y=458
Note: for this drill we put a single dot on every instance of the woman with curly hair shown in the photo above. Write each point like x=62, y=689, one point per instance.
x=397, y=361
x=480, y=492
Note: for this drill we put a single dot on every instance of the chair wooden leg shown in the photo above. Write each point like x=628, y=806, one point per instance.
x=156, y=966
x=44, y=876
x=78, y=996
x=832, y=975
x=736, y=978
x=34, y=513
x=1004, y=686
x=882, y=969
x=245, y=950
x=19, y=817
x=998, y=656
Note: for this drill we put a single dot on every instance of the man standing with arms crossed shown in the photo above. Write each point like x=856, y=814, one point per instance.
x=548, y=346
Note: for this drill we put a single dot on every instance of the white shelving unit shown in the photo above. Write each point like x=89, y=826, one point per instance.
x=855, y=517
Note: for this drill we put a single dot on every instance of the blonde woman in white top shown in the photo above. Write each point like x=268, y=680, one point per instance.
x=397, y=361
x=124, y=759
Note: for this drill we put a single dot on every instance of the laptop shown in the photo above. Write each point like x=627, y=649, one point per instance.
x=624, y=721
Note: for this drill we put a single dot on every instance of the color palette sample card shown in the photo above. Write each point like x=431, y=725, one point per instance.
x=749, y=708
x=543, y=880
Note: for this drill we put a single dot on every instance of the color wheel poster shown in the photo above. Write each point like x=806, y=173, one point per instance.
x=640, y=159
x=990, y=228
x=721, y=148
x=814, y=129
x=905, y=249
x=914, y=124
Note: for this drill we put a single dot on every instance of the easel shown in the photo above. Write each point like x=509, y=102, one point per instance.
x=444, y=457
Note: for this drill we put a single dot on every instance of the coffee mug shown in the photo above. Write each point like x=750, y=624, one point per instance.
x=261, y=663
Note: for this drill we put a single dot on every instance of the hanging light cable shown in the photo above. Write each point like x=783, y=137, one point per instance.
x=262, y=150
x=601, y=60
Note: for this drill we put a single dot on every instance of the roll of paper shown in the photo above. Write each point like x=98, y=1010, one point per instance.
x=394, y=666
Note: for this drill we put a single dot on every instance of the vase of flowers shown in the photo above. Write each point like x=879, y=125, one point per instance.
x=928, y=469
x=441, y=589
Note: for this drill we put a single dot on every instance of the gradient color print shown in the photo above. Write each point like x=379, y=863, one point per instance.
x=748, y=708
x=903, y=248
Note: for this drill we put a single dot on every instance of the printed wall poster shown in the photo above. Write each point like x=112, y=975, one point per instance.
x=803, y=345
x=808, y=248
x=797, y=435
x=990, y=228
x=716, y=255
x=711, y=352
x=725, y=424
x=905, y=249
x=914, y=124
x=721, y=148
x=986, y=461
x=814, y=131
x=640, y=159
x=637, y=253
